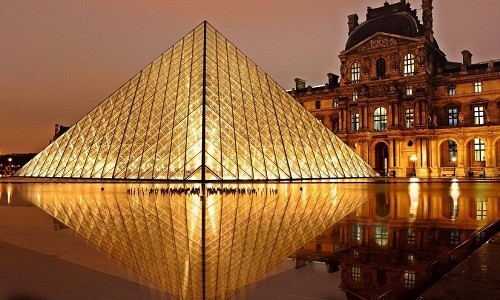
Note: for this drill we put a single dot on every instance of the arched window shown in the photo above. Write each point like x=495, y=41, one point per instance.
x=380, y=64
x=355, y=72
x=409, y=65
x=380, y=119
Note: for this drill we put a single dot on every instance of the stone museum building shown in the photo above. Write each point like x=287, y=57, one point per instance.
x=403, y=106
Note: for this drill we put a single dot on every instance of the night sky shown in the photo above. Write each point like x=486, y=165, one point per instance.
x=59, y=59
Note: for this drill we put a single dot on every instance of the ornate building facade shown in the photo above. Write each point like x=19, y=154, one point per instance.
x=403, y=106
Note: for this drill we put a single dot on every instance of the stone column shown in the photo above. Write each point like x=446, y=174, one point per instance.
x=391, y=116
x=434, y=154
x=341, y=119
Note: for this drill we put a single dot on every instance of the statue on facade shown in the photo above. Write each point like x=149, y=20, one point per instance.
x=460, y=118
x=342, y=69
x=395, y=61
x=434, y=120
x=486, y=116
x=422, y=57
x=366, y=65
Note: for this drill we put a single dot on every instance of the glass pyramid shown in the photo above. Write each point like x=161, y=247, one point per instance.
x=198, y=249
x=200, y=111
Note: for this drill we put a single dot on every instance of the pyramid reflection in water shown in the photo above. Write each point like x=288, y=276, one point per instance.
x=202, y=110
x=160, y=234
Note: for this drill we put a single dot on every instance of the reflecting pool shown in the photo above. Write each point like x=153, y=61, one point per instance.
x=384, y=236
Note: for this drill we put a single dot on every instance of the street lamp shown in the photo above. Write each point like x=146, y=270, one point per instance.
x=10, y=165
x=454, y=160
x=413, y=159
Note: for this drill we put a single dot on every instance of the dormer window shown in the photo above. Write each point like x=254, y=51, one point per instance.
x=409, y=65
x=318, y=104
x=452, y=90
x=380, y=65
x=336, y=103
x=355, y=72
x=478, y=87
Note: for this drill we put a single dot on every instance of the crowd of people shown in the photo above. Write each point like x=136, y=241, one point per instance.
x=197, y=190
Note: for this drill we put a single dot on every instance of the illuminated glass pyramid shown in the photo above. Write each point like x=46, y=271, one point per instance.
x=200, y=111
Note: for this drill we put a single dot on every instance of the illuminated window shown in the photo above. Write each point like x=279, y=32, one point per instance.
x=409, y=279
x=380, y=119
x=380, y=65
x=355, y=72
x=409, y=90
x=454, y=237
x=481, y=210
x=318, y=104
x=479, y=115
x=354, y=122
x=479, y=150
x=356, y=233
x=478, y=87
x=336, y=103
x=410, y=236
x=381, y=235
x=354, y=96
x=409, y=65
x=453, y=116
x=452, y=149
x=409, y=117
x=411, y=257
x=452, y=90
x=356, y=273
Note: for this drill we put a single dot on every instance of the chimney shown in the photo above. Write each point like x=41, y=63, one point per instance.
x=427, y=19
x=466, y=58
x=300, y=84
x=352, y=22
x=333, y=80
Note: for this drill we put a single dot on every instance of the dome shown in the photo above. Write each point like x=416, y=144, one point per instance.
x=400, y=23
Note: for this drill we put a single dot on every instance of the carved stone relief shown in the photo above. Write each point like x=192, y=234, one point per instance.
x=378, y=42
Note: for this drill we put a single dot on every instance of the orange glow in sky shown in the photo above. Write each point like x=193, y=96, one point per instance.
x=59, y=59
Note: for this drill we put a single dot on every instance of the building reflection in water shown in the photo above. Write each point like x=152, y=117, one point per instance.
x=399, y=242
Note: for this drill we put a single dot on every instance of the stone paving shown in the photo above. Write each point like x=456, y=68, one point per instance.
x=477, y=277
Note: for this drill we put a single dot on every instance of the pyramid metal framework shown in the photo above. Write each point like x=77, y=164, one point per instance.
x=200, y=111
x=164, y=237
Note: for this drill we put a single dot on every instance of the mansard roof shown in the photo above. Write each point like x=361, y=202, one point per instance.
x=396, y=18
